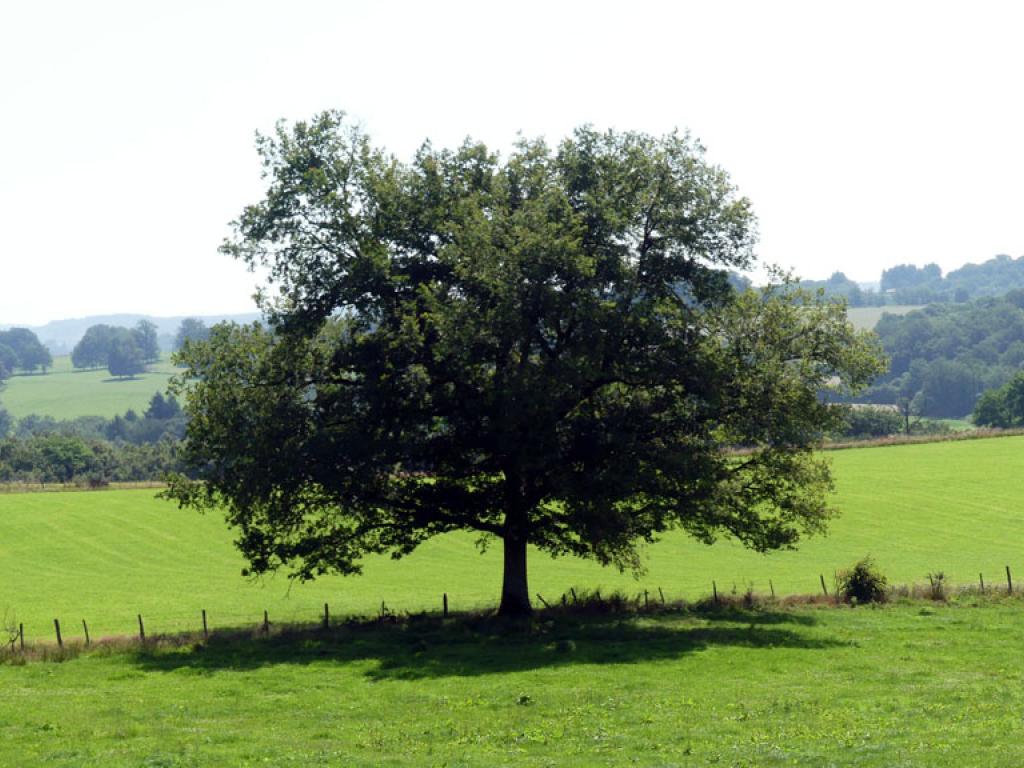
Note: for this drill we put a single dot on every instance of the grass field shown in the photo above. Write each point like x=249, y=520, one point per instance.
x=904, y=685
x=866, y=318
x=66, y=393
x=107, y=556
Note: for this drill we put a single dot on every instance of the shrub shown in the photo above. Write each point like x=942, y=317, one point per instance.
x=862, y=583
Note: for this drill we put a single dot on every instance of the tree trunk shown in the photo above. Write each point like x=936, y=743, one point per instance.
x=515, y=590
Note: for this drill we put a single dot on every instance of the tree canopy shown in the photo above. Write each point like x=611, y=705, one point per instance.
x=544, y=349
x=99, y=341
x=30, y=353
x=125, y=358
x=191, y=329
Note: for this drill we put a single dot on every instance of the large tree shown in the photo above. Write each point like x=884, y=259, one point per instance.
x=544, y=349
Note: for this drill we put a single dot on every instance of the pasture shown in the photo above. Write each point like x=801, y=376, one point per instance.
x=866, y=318
x=67, y=393
x=904, y=685
x=108, y=556
x=911, y=683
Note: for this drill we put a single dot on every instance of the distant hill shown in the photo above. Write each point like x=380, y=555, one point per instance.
x=907, y=284
x=60, y=336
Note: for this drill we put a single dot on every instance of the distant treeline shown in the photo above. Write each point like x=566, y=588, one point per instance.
x=93, y=449
x=909, y=284
x=944, y=356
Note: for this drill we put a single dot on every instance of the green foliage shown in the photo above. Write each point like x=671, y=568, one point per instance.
x=544, y=349
x=116, y=348
x=145, y=335
x=1002, y=407
x=55, y=457
x=30, y=354
x=840, y=287
x=863, y=583
x=125, y=358
x=8, y=361
x=946, y=355
x=93, y=349
x=191, y=329
x=869, y=421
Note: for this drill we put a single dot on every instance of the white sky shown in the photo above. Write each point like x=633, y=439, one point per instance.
x=865, y=133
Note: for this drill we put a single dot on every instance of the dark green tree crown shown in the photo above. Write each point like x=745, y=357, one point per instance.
x=542, y=347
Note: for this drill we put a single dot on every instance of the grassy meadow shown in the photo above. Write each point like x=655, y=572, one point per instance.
x=107, y=556
x=904, y=685
x=907, y=684
x=866, y=318
x=66, y=393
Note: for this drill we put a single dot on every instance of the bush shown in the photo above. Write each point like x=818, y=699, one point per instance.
x=862, y=584
x=868, y=421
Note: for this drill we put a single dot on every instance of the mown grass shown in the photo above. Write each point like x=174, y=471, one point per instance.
x=67, y=393
x=866, y=318
x=905, y=684
x=108, y=556
x=902, y=685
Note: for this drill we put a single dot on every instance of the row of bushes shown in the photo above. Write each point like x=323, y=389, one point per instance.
x=61, y=458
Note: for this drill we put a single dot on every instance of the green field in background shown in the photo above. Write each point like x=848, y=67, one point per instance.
x=66, y=393
x=866, y=318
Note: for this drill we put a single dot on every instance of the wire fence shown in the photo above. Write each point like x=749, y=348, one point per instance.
x=198, y=622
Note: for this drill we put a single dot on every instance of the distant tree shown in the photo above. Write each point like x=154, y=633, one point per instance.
x=146, y=338
x=949, y=390
x=93, y=349
x=63, y=456
x=191, y=329
x=8, y=361
x=6, y=422
x=125, y=357
x=32, y=355
x=1002, y=407
x=161, y=407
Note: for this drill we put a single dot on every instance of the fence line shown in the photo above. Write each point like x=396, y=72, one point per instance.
x=200, y=621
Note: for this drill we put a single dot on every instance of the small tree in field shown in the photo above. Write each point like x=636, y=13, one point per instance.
x=543, y=349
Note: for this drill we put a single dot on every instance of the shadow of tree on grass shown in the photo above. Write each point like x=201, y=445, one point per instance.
x=431, y=647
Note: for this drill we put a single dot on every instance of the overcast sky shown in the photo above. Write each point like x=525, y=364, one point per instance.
x=866, y=134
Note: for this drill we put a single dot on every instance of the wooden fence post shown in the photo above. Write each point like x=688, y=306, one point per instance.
x=981, y=578
x=142, y=630
x=327, y=616
x=823, y=587
x=21, y=636
x=85, y=628
x=56, y=626
x=714, y=592
x=266, y=622
x=662, y=594
x=444, y=604
x=772, y=588
x=206, y=629
x=1009, y=581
